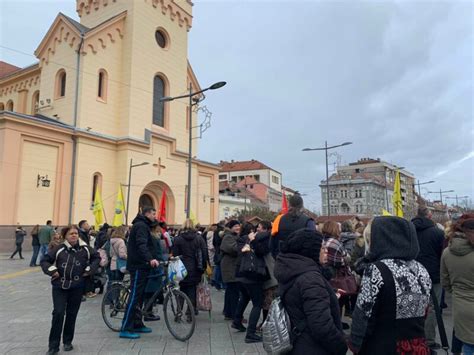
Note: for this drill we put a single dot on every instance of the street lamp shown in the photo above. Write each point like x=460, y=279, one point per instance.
x=457, y=198
x=130, y=183
x=326, y=148
x=215, y=86
x=418, y=183
x=440, y=192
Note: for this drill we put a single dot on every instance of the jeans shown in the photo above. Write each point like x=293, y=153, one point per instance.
x=231, y=299
x=43, y=250
x=249, y=292
x=430, y=322
x=17, y=250
x=468, y=349
x=456, y=344
x=66, y=304
x=133, y=314
x=34, y=257
x=190, y=291
x=217, y=277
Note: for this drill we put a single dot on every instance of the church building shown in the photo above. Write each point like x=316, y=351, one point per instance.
x=90, y=108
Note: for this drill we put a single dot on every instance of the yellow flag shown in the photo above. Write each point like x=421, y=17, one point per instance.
x=385, y=213
x=98, y=209
x=192, y=217
x=119, y=211
x=397, y=197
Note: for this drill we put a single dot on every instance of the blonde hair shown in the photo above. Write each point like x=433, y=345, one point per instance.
x=366, y=235
x=118, y=232
x=188, y=225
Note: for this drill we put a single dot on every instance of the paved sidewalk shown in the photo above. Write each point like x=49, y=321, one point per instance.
x=26, y=305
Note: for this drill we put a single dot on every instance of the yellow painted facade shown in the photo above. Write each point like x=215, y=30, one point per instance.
x=117, y=39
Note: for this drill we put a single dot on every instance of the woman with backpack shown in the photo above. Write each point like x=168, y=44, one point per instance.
x=191, y=248
x=307, y=296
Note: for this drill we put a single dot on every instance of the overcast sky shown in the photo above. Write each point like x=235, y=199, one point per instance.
x=394, y=77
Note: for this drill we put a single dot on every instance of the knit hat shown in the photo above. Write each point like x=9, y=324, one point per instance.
x=305, y=242
x=232, y=223
x=393, y=238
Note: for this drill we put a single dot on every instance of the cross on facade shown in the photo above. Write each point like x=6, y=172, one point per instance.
x=159, y=166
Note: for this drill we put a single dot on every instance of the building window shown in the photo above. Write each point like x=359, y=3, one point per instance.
x=35, y=102
x=359, y=208
x=2, y=106
x=241, y=178
x=275, y=179
x=158, y=106
x=102, y=85
x=234, y=179
x=358, y=193
x=223, y=177
x=345, y=208
x=343, y=193
x=162, y=38
x=10, y=105
x=96, y=183
x=256, y=177
x=60, y=90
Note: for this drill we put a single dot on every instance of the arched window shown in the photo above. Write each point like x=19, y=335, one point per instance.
x=102, y=85
x=35, y=102
x=158, y=106
x=10, y=105
x=345, y=208
x=2, y=106
x=96, y=183
x=60, y=90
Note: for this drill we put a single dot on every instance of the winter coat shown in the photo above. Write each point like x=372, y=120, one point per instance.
x=71, y=262
x=118, y=249
x=216, y=242
x=84, y=235
x=348, y=240
x=261, y=247
x=140, y=248
x=287, y=225
x=430, y=239
x=311, y=305
x=390, y=310
x=457, y=277
x=229, y=255
x=35, y=240
x=358, y=251
x=45, y=234
x=19, y=236
x=189, y=246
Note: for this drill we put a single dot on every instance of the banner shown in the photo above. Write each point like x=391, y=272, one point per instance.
x=119, y=211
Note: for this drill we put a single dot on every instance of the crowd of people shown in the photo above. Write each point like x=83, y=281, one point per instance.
x=384, y=275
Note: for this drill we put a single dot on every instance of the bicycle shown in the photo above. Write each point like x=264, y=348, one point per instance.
x=178, y=310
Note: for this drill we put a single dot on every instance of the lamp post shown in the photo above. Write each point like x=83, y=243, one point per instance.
x=326, y=148
x=457, y=198
x=418, y=183
x=440, y=192
x=215, y=86
x=130, y=183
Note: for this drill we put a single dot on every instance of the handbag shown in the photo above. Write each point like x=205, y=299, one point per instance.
x=252, y=266
x=176, y=270
x=121, y=264
x=203, y=296
x=345, y=281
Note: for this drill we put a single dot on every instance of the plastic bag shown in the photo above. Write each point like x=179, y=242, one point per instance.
x=176, y=270
x=276, y=329
x=203, y=296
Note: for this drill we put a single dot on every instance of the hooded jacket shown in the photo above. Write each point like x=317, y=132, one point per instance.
x=261, y=247
x=140, y=244
x=430, y=240
x=229, y=255
x=289, y=223
x=19, y=236
x=457, y=277
x=309, y=299
x=390, y=311
x=186, y=246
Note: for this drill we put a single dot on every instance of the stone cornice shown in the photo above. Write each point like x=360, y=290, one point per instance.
x=20, y=74
x=86, y=6
x=106, y=33
x=175, y=11
x=20, y=83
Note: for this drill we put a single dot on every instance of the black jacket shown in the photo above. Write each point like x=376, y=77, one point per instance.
x=71, y=262
x=287, y=225
x=186, y=246
x=261, y=247
x=140, y=247
x=309, y=299
x=430, y=240
x=84, y=236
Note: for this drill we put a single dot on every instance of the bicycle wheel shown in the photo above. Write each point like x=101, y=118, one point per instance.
x=114, y=305
x=179, y=314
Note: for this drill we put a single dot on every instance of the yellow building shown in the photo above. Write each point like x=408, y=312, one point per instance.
x=91, y=105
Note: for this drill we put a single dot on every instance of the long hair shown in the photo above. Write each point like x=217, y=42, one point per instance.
x=188, y=225
x=331, y=229
x=35, y=229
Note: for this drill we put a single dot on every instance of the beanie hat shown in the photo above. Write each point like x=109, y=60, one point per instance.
x=393, y=238
x=232, y=223
x=305, y=242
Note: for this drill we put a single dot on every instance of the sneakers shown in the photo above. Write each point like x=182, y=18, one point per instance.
x=238, y=326
x=129, y=335
x=143, y=330
x=68, y=347
x=150, y=317
x=91, y=294
x=52, y=351
x=253, y=338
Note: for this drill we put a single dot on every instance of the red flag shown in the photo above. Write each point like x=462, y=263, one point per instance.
x=284, y=204
x=162, y=210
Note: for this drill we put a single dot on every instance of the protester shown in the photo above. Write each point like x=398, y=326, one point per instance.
x=391, y=306
x=139, y=261
x=457, y=277
x=431, y=240
x=210, y=246
x=348, y=237
x=308, y=298
x=290, y=222
x=55, y=241
x=67, y=264
x=216, y=242
x=229, y=252
x=191, y=248
x=45, y=235
x=84, y=229
x=117, y=250
x=101, y=237
x=36, y=246
x=19, y=238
